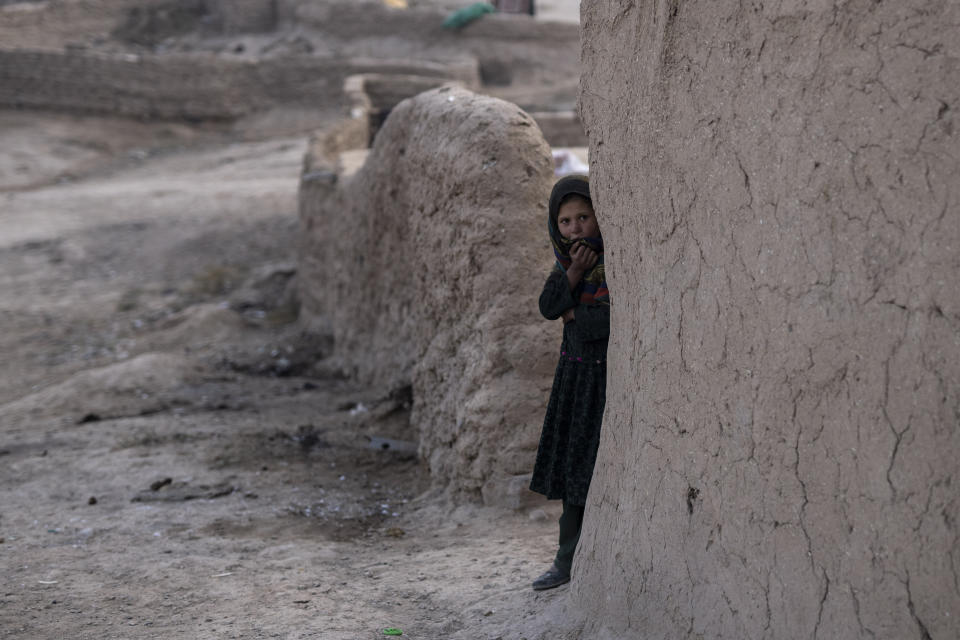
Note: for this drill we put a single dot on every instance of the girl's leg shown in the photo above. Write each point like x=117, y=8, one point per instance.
x=559, y=573
x=570, y=522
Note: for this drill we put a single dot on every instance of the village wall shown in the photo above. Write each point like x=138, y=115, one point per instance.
x=425, y=263
x=778, y=187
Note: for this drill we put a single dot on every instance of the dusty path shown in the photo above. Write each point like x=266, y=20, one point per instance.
x=175, y=459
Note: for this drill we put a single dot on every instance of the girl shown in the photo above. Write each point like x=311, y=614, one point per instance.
x=577, y=292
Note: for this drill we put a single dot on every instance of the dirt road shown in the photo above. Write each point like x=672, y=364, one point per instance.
x=176, y=459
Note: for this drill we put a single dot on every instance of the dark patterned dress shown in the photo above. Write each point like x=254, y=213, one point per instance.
x=571, y=428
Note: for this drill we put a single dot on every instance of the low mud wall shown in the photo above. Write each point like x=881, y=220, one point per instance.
x=781, y=448
x=185, y=86
x=425, y=263
x=511, y=49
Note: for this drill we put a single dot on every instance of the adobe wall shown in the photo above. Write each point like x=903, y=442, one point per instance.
x=778, y=186
x=426, y=263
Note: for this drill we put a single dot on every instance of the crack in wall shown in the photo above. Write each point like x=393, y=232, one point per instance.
x=856, y=611
x=885, y=410
x=924, y=633
x=823, y=600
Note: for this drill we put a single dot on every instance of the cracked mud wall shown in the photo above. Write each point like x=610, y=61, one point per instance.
x=425, y=263
x=778, y=185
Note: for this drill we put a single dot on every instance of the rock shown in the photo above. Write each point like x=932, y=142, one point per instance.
x=159, y=484
x=265, y=288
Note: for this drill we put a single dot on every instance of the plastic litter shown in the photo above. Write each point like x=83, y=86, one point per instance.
x=462, y=17
x=392, y=631
x=358, y=409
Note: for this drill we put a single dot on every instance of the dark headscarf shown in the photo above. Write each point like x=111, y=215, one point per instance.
x=594, y=283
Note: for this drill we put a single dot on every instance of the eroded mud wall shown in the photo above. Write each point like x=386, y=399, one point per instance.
x=778, y=186
x=426, y=264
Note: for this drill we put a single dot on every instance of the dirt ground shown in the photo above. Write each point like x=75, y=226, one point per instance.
x=176, y=459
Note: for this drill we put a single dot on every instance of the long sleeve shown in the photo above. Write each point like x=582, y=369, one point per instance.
x=556, y=296
x=592, y=321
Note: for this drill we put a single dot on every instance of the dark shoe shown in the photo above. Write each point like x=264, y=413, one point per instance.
x=552, y=578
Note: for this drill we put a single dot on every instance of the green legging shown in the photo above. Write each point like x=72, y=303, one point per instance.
x=570, y=522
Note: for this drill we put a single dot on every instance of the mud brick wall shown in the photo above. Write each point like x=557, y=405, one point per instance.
x=778, y=187
x=426, y=265
x=197, y=86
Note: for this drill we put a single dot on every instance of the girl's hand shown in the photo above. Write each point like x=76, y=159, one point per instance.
x=567, y=316
x=582, y=258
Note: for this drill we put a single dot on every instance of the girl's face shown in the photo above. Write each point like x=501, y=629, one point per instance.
x=576, y=220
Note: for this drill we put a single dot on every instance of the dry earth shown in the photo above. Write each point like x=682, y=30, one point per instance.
x=176, y=460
